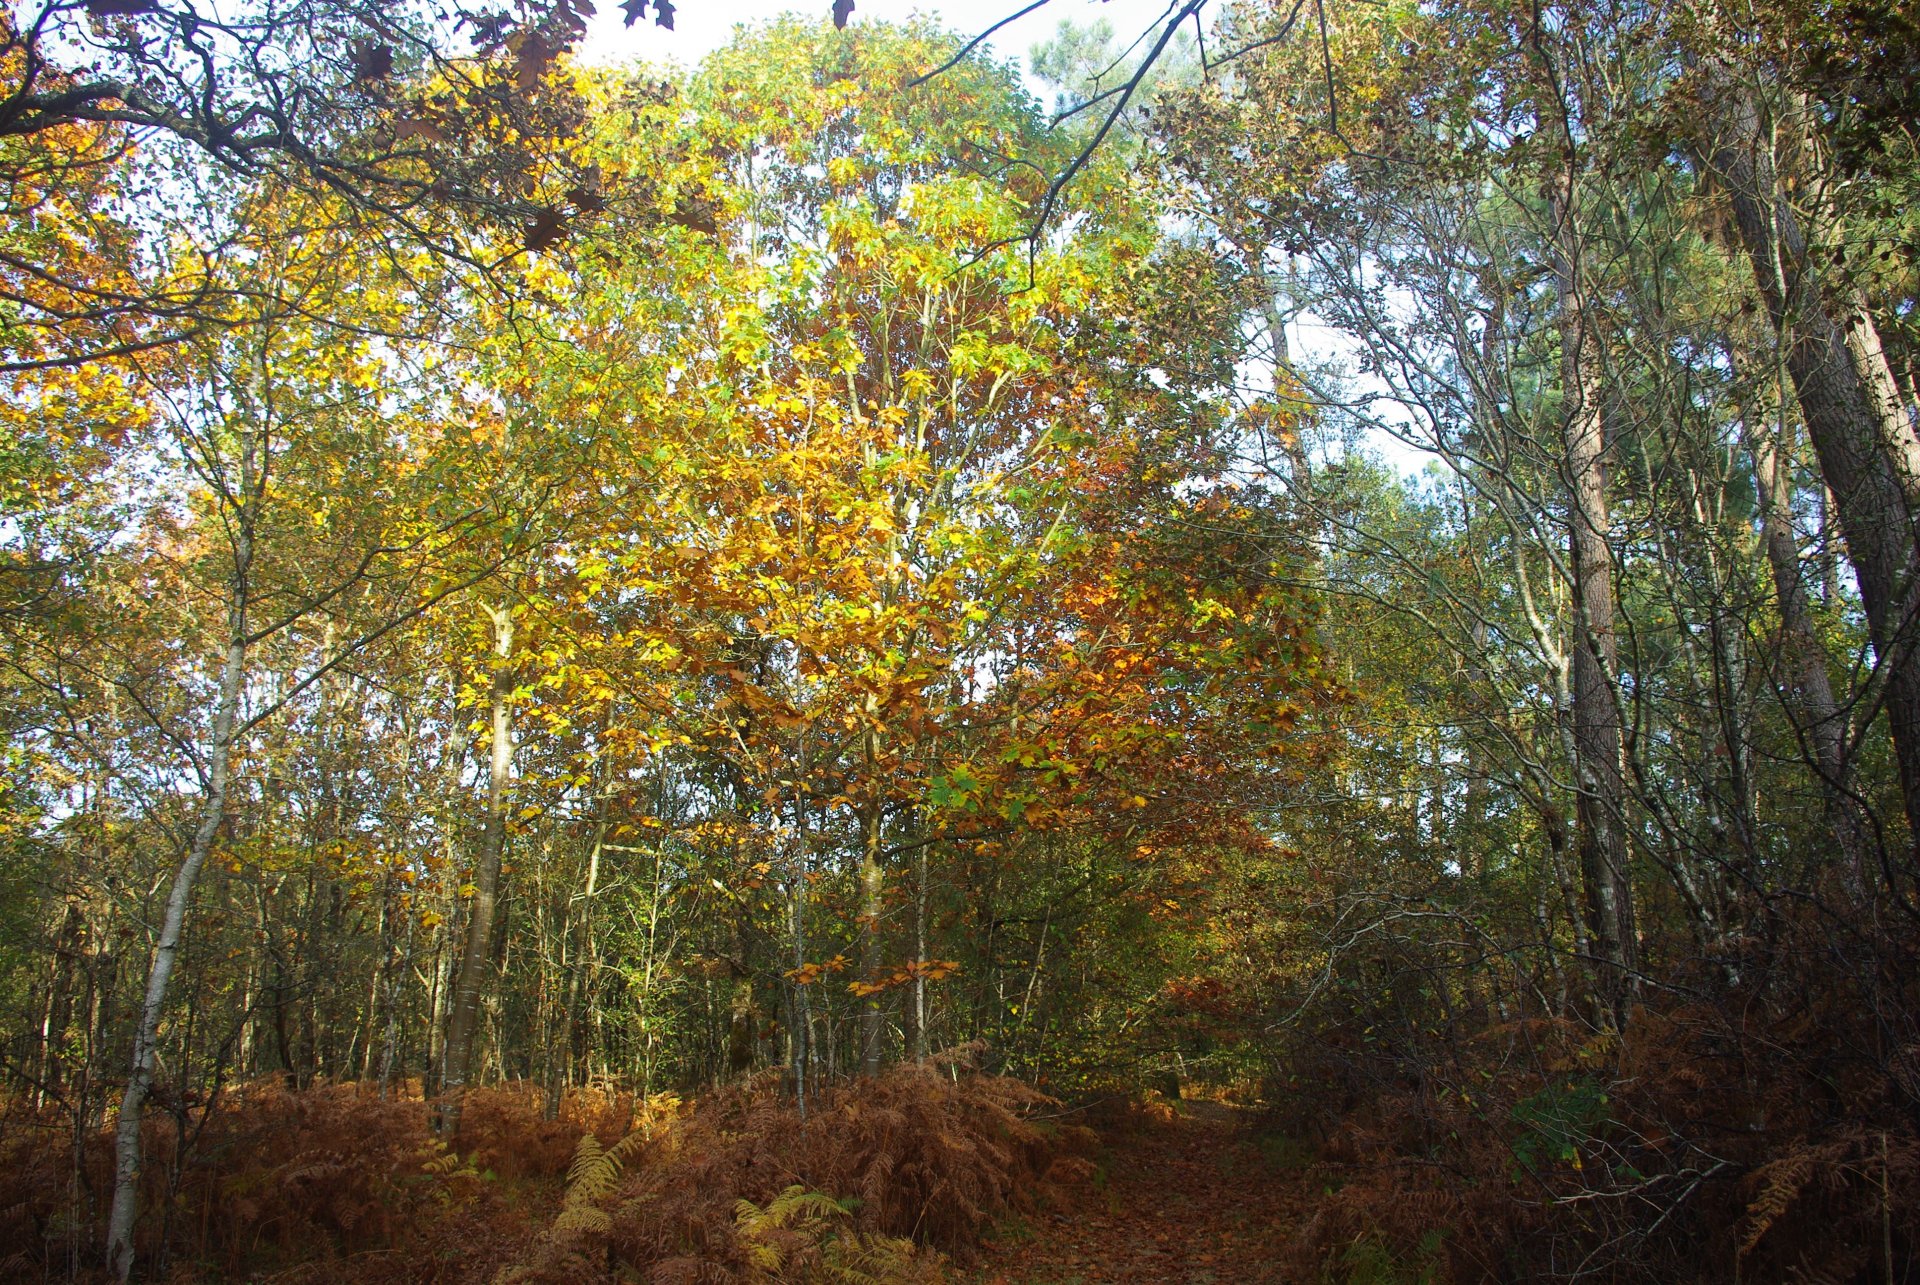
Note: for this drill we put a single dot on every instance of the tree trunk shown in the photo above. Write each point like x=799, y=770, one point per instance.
x=477, y=953
x=1867, y=455
x=800, y=1024
x=873, y=1017
x=396, y=962
x=582, y=977
x=1600, y=798
x=69, y=945
x=213, y=811
x=917, y=1045
x=1802, y=658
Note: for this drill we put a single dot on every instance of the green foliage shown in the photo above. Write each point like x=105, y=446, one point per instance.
x=1140, y=649
x=1560, y=1122
x=1369, y=1261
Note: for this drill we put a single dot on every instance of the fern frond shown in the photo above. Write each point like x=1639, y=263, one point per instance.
x=763, y=1255
x=443, y=1165
x=587, y=1157
x=867, y=1260
x=582, y=1217
x=797, y=1204
x=595, y=1169
x=1784, y=1180
x=628, y=1147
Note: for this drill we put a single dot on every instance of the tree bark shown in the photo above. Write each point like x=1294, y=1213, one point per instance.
x=1802, y=658
x=1867, y=452
x=873, y=1016
x=917, y=1044
x=1600, y=785
x=477, y=953
x=213, y=811
x=583, y=975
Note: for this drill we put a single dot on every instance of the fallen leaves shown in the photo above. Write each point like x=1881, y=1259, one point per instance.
x=1186, y=1199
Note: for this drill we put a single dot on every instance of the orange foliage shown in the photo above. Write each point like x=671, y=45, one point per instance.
x=337, y=1184
x=927, y=1152
x=1746, y=1140
x=325, y=1184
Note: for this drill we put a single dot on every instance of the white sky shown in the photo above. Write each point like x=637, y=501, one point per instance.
x=701, y=26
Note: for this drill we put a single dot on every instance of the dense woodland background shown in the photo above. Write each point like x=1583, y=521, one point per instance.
x=1365, y=560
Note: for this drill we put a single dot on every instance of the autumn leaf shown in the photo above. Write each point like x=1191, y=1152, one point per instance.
x=533, y=54
x=694, y=215
x=548, y=226
x=371, y=61
x=421, y=129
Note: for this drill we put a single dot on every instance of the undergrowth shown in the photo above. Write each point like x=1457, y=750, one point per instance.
x=328, y=1183
x=879, y=1183
x=1766, y=1135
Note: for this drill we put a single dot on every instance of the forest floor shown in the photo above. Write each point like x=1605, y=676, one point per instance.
x=1196, y=1199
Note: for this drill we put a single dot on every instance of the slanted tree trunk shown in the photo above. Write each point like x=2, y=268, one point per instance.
x=213, y=812
x=477, y=954
x=1803, y=660
x=1867, y=452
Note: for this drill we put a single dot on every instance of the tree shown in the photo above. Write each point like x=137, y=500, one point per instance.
x=1856, y=416
x=265, y=421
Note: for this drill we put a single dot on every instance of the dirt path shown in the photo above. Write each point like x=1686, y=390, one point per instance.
x=1191, y=1201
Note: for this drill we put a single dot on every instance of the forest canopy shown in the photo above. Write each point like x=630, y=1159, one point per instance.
x=1364, y=563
